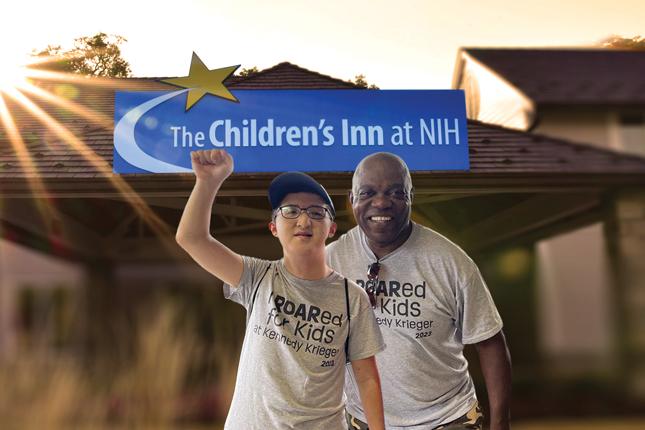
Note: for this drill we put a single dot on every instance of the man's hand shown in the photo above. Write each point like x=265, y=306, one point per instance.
x=495, y=361
x=212, y=166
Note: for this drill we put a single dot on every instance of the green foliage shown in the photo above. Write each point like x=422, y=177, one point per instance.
x=98, y=55
x=619, y=42
x=248, y=71
x=51, y=58
x=361, y=81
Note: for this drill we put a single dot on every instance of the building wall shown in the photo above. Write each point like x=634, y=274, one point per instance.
x=627, y=130
x=577, y=292
x=618, y=129
x=22, y=268
x=627, y=242
x=577, y=323
x=574, y=284
x=575, y=311
x=584, y=126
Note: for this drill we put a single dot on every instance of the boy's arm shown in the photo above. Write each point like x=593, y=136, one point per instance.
x=369, y=387
x=193, y=235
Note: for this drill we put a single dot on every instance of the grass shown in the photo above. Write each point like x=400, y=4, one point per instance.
x=156, y=385
x=167, y=372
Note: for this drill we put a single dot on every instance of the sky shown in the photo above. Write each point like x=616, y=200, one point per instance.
x=405, y=44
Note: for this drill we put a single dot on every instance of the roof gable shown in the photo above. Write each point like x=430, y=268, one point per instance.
x=570, y=76
x=289, y=76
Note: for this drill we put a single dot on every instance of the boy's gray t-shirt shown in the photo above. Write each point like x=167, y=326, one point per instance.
x=292, y=365
x=431, y=300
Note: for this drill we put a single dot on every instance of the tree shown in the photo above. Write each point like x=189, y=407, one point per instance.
x=98, y=55
x=51, y=58
x=618, y=42
x=361, y=81
x=248, y=71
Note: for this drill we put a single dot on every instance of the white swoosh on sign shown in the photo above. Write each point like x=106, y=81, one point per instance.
x=126, y=145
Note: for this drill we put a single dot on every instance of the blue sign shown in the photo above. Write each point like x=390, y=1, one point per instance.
x=280, y=130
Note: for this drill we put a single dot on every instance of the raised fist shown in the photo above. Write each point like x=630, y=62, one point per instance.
x=213, y=165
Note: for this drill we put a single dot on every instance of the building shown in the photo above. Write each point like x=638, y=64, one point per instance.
x=60, y=197
x=596, y=96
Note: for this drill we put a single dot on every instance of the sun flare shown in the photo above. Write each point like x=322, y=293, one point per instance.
x=39, y=92
x=14, y=67
x=12, y=76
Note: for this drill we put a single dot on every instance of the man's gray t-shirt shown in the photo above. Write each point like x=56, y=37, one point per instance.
x=431, y=300
x=292, y=365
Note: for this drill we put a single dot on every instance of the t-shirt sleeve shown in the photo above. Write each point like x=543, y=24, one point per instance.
x=365, y=339
x=254, y=269
x=479, y=317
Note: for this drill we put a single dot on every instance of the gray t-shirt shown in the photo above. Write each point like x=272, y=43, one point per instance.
x=292, y=364
x=431, y=300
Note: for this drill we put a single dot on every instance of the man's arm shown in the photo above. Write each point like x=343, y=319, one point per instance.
x=369, y=387
x=193, y=235
x=495, y=362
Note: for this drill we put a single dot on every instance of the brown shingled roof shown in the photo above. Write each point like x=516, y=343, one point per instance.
x=493, y=150
x=286, y=75
x=497, y=149
x=54, y=159
x=570, y=76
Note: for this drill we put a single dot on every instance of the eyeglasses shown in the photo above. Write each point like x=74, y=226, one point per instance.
x=372, y=281
x=313, y=212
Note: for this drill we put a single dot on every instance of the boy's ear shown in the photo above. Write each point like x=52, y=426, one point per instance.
x=273, y=229
x=332, y=229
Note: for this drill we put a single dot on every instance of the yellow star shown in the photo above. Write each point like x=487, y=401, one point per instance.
x=202, y=81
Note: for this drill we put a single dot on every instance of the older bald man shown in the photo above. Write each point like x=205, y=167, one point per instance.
x=430, y=301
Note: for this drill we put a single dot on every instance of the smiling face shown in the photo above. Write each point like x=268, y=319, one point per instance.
x=382, y=200
x=302, y=234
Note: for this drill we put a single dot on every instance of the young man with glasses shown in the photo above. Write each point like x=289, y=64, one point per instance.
x=430, y=301
x=304, y=321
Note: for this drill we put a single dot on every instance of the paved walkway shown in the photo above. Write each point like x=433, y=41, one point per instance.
x=586, y=424
x=570, y=424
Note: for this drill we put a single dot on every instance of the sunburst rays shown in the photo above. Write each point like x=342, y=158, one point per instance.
x=23, y=90
x=26, y=162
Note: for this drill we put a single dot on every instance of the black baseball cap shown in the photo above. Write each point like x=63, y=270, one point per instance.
x=296, y=182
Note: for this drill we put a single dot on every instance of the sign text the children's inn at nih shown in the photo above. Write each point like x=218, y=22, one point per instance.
x=280, y=130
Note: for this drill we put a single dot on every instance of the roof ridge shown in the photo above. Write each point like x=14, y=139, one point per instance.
x=568, y=76
x=294, y=66
x=239, y=79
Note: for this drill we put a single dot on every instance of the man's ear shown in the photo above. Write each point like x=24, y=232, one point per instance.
x=273, y=229
x=351, y=198
x=332, y=229
x=411, y=194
